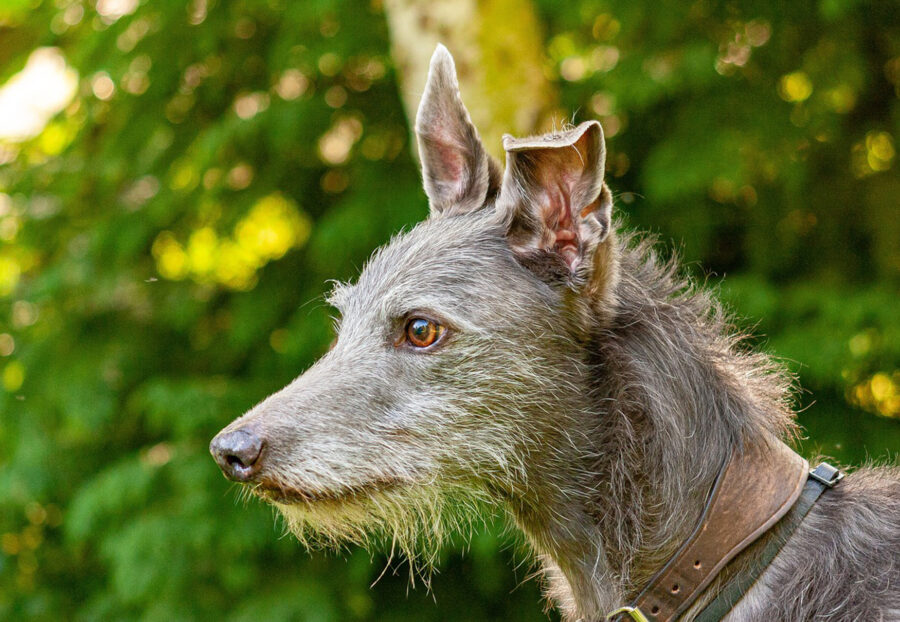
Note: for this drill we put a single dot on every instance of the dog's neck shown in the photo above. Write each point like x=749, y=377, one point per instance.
x=669, y=401
x=598, y=548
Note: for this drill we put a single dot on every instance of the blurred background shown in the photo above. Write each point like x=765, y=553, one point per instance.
x=178, y=180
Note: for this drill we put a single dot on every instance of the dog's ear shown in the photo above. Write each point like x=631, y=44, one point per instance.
x=556, y=204
x=458, y=174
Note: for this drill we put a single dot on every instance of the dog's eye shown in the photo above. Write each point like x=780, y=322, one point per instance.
x=422, y=333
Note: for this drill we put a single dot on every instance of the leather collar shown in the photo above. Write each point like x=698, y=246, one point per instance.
x=754, y=489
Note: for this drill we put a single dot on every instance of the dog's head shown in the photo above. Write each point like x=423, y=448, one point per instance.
x=460, y=349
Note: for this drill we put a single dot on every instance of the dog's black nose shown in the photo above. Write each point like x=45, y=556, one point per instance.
x=237, y=454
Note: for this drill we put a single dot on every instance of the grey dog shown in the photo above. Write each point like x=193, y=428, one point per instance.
x=516, y=351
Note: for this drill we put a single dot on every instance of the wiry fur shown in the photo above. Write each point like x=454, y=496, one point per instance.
x=413, y=522
x=594, y=400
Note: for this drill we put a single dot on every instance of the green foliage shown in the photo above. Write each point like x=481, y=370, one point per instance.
x=141, y=309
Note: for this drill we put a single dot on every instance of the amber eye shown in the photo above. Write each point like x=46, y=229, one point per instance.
x=422, y=333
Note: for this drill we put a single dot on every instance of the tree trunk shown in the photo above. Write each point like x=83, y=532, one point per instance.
x=498, y=49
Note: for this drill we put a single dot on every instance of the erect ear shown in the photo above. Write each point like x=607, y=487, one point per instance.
x=558, y=207
x=458, y=174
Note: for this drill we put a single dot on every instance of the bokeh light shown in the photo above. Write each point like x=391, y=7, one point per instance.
x=272, y=227
x=30, y=98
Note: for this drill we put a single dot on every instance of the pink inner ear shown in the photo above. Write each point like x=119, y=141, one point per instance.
x=447, y=163
x=555, y=180
x=561, y=230
x=451, y=163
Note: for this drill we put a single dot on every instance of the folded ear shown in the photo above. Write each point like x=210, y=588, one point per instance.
x=458, y=174
x=558, y=207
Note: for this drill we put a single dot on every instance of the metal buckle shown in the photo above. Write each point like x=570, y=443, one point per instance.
x=633, y=612
x=826, y=475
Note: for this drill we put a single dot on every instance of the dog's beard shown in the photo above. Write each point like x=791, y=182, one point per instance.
x=411, y=520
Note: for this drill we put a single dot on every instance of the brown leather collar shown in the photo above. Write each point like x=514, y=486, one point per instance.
x=756, y=487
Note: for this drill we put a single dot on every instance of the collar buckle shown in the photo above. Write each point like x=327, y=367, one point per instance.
x=826, y=475
x=633, y=612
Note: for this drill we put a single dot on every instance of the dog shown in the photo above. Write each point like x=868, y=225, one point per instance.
x=517, y=350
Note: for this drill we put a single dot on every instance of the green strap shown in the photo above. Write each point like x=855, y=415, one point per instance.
x=821, y=478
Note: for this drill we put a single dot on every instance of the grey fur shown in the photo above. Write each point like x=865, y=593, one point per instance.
x=593, y=400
